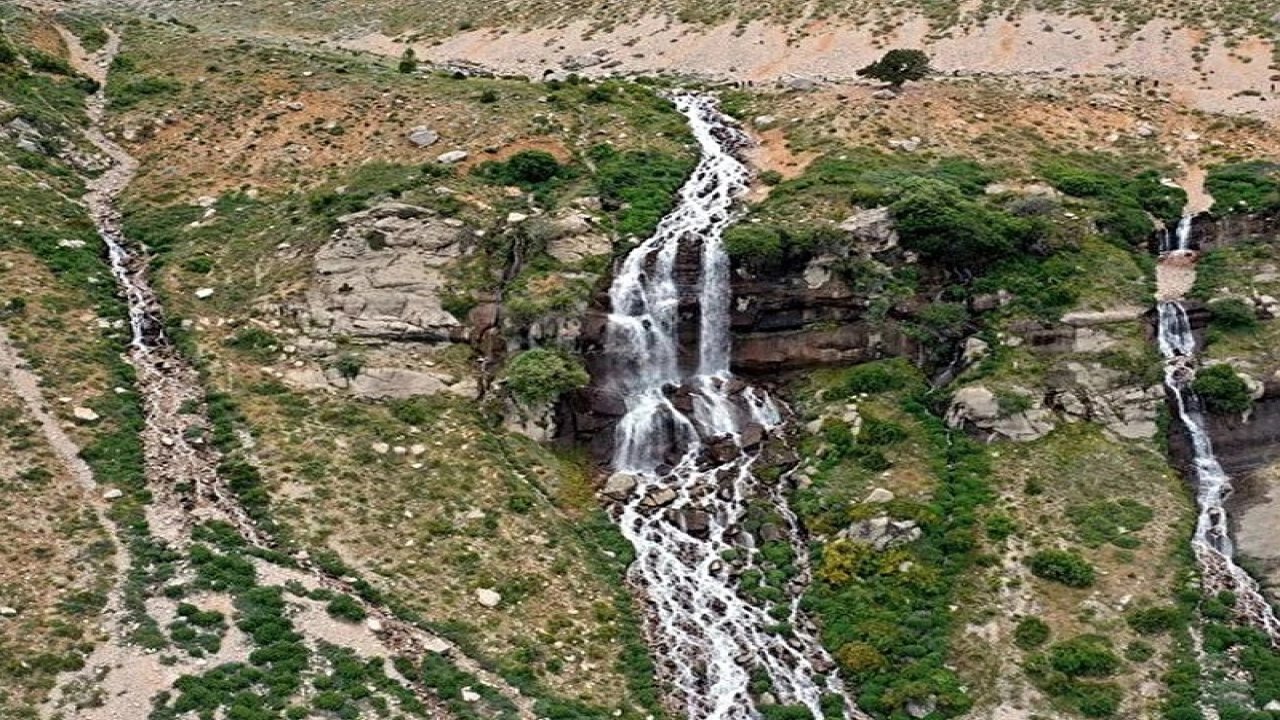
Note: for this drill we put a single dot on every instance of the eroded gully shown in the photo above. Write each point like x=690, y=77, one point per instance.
x=181, y=471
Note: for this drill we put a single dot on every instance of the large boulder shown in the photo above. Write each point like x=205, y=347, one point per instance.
x=978, y=408
x=381, y=275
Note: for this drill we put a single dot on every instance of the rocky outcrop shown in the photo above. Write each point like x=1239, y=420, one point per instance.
x=381, y=276
x=979, y=409
x=1209, y=230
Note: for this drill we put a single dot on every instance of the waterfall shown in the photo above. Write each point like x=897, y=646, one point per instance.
x=1211, y=542
x=681, y=410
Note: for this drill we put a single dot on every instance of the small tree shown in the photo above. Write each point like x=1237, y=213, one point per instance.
x=408, y=61
x=898, y=66
x=539, y=375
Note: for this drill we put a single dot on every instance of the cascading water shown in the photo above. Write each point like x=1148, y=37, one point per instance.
x=709, y=637
x=1212, y=542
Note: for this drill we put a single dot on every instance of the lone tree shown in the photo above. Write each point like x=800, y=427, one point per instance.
x=408, y=61
x=898, y=66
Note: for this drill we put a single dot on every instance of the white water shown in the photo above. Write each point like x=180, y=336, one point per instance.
x=707, y=636
x=1212, y=541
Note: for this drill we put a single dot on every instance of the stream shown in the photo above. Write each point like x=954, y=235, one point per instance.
x=1211, y=542
x=688, y=440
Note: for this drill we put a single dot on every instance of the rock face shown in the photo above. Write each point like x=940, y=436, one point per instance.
x=1209, y=231
x=810, y=315
x=381, y=275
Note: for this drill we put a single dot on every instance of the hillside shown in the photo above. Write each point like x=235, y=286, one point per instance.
x=337, y=386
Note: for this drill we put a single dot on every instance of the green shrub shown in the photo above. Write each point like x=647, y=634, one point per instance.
x=1153, y=620
x=1000, y=526
x=1030, y=632
x=878, y=377
x=935, y=219
x=540, y=375
x=1232, y=314
x=349, y=365
x=1084, y=656
x=755, y=246
x=1138, y=651
x=527, y=169
x=408, y=61
x=1062, y=566
x=1222, y=390
x=344, y=607
x=880, y=432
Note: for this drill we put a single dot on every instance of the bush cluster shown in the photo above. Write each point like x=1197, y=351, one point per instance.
x=1222, y=390
x=1062, y=566
x=540, y=375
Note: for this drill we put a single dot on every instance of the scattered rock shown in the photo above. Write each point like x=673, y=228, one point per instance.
x=516, y=218
x=879, y=495
x=423, y=136
x=204, y=293
x=764, y=121
x=974, y=350
x=488, y=597
x=113, y=494
x=469, y=695
x=884, y=94
x=452, y=157
x=374, y=625
x=658, y=498
x=84, y=414
x=6, y=611
x=380, y=448
x=910, y=144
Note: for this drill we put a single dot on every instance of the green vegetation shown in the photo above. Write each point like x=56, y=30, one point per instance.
x=898, y=66
x=1128, y=204
x=529, y=169
x=1157, y=619
x=540, y=375
x=1232, y=315
x=1245, y=187
x=1030, y=632
x=1110, y=521
x=885, y=613
x=344, y=607
x=408, y=61
x=1066, y=671
x=1222, y=389
x=639, y=186
x=1062, y=566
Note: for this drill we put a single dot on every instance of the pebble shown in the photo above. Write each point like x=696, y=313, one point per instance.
x=488, y=597
x=85, y=414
